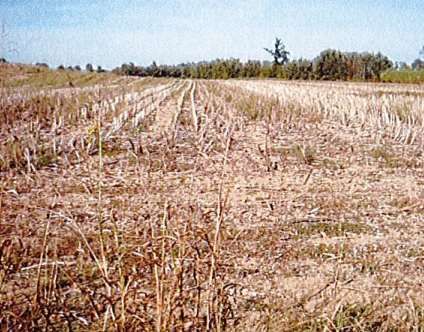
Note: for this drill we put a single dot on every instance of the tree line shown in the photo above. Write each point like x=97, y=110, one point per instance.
x=330, y=64
x=88, y=68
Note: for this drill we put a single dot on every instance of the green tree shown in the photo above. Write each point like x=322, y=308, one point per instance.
x=331, y=65
x=153, y=70
x=301, y=69
x=127, y=69
x=89, y=67
x=251, y=69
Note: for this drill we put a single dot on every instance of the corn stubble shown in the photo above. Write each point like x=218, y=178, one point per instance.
x=220, y=205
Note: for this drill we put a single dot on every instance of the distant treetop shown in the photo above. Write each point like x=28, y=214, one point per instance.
x=280, y=54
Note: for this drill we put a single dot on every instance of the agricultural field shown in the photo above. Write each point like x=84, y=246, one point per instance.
x=184, y=205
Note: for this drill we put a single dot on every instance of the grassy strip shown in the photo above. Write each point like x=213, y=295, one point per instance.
x=403, y=76
x=36, y=77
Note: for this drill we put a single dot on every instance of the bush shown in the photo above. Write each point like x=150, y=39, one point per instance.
x=43, y=65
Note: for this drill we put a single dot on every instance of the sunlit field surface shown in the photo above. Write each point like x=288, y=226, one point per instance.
x=163, y=204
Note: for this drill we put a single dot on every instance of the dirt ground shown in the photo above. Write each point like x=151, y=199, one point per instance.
x=220, y=205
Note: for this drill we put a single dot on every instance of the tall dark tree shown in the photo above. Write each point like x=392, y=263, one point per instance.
x=89, y=67
x=280, y=54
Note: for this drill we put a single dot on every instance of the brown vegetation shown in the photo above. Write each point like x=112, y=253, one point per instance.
x=192, y=205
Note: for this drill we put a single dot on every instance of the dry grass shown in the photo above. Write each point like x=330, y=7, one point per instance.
x=24, y=76
x=191, y=205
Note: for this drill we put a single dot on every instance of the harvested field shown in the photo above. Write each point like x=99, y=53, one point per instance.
x=212, y=205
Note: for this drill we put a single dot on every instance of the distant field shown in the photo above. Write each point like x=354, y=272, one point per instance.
x=40, y=77
x=403, y=76
x=143, y=204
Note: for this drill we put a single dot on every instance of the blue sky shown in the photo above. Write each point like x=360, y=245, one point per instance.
x=112, y=32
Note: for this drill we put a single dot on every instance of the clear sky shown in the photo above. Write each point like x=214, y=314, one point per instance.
x=111, y=32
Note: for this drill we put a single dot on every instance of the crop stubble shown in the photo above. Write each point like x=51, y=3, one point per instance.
x=247, y=205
